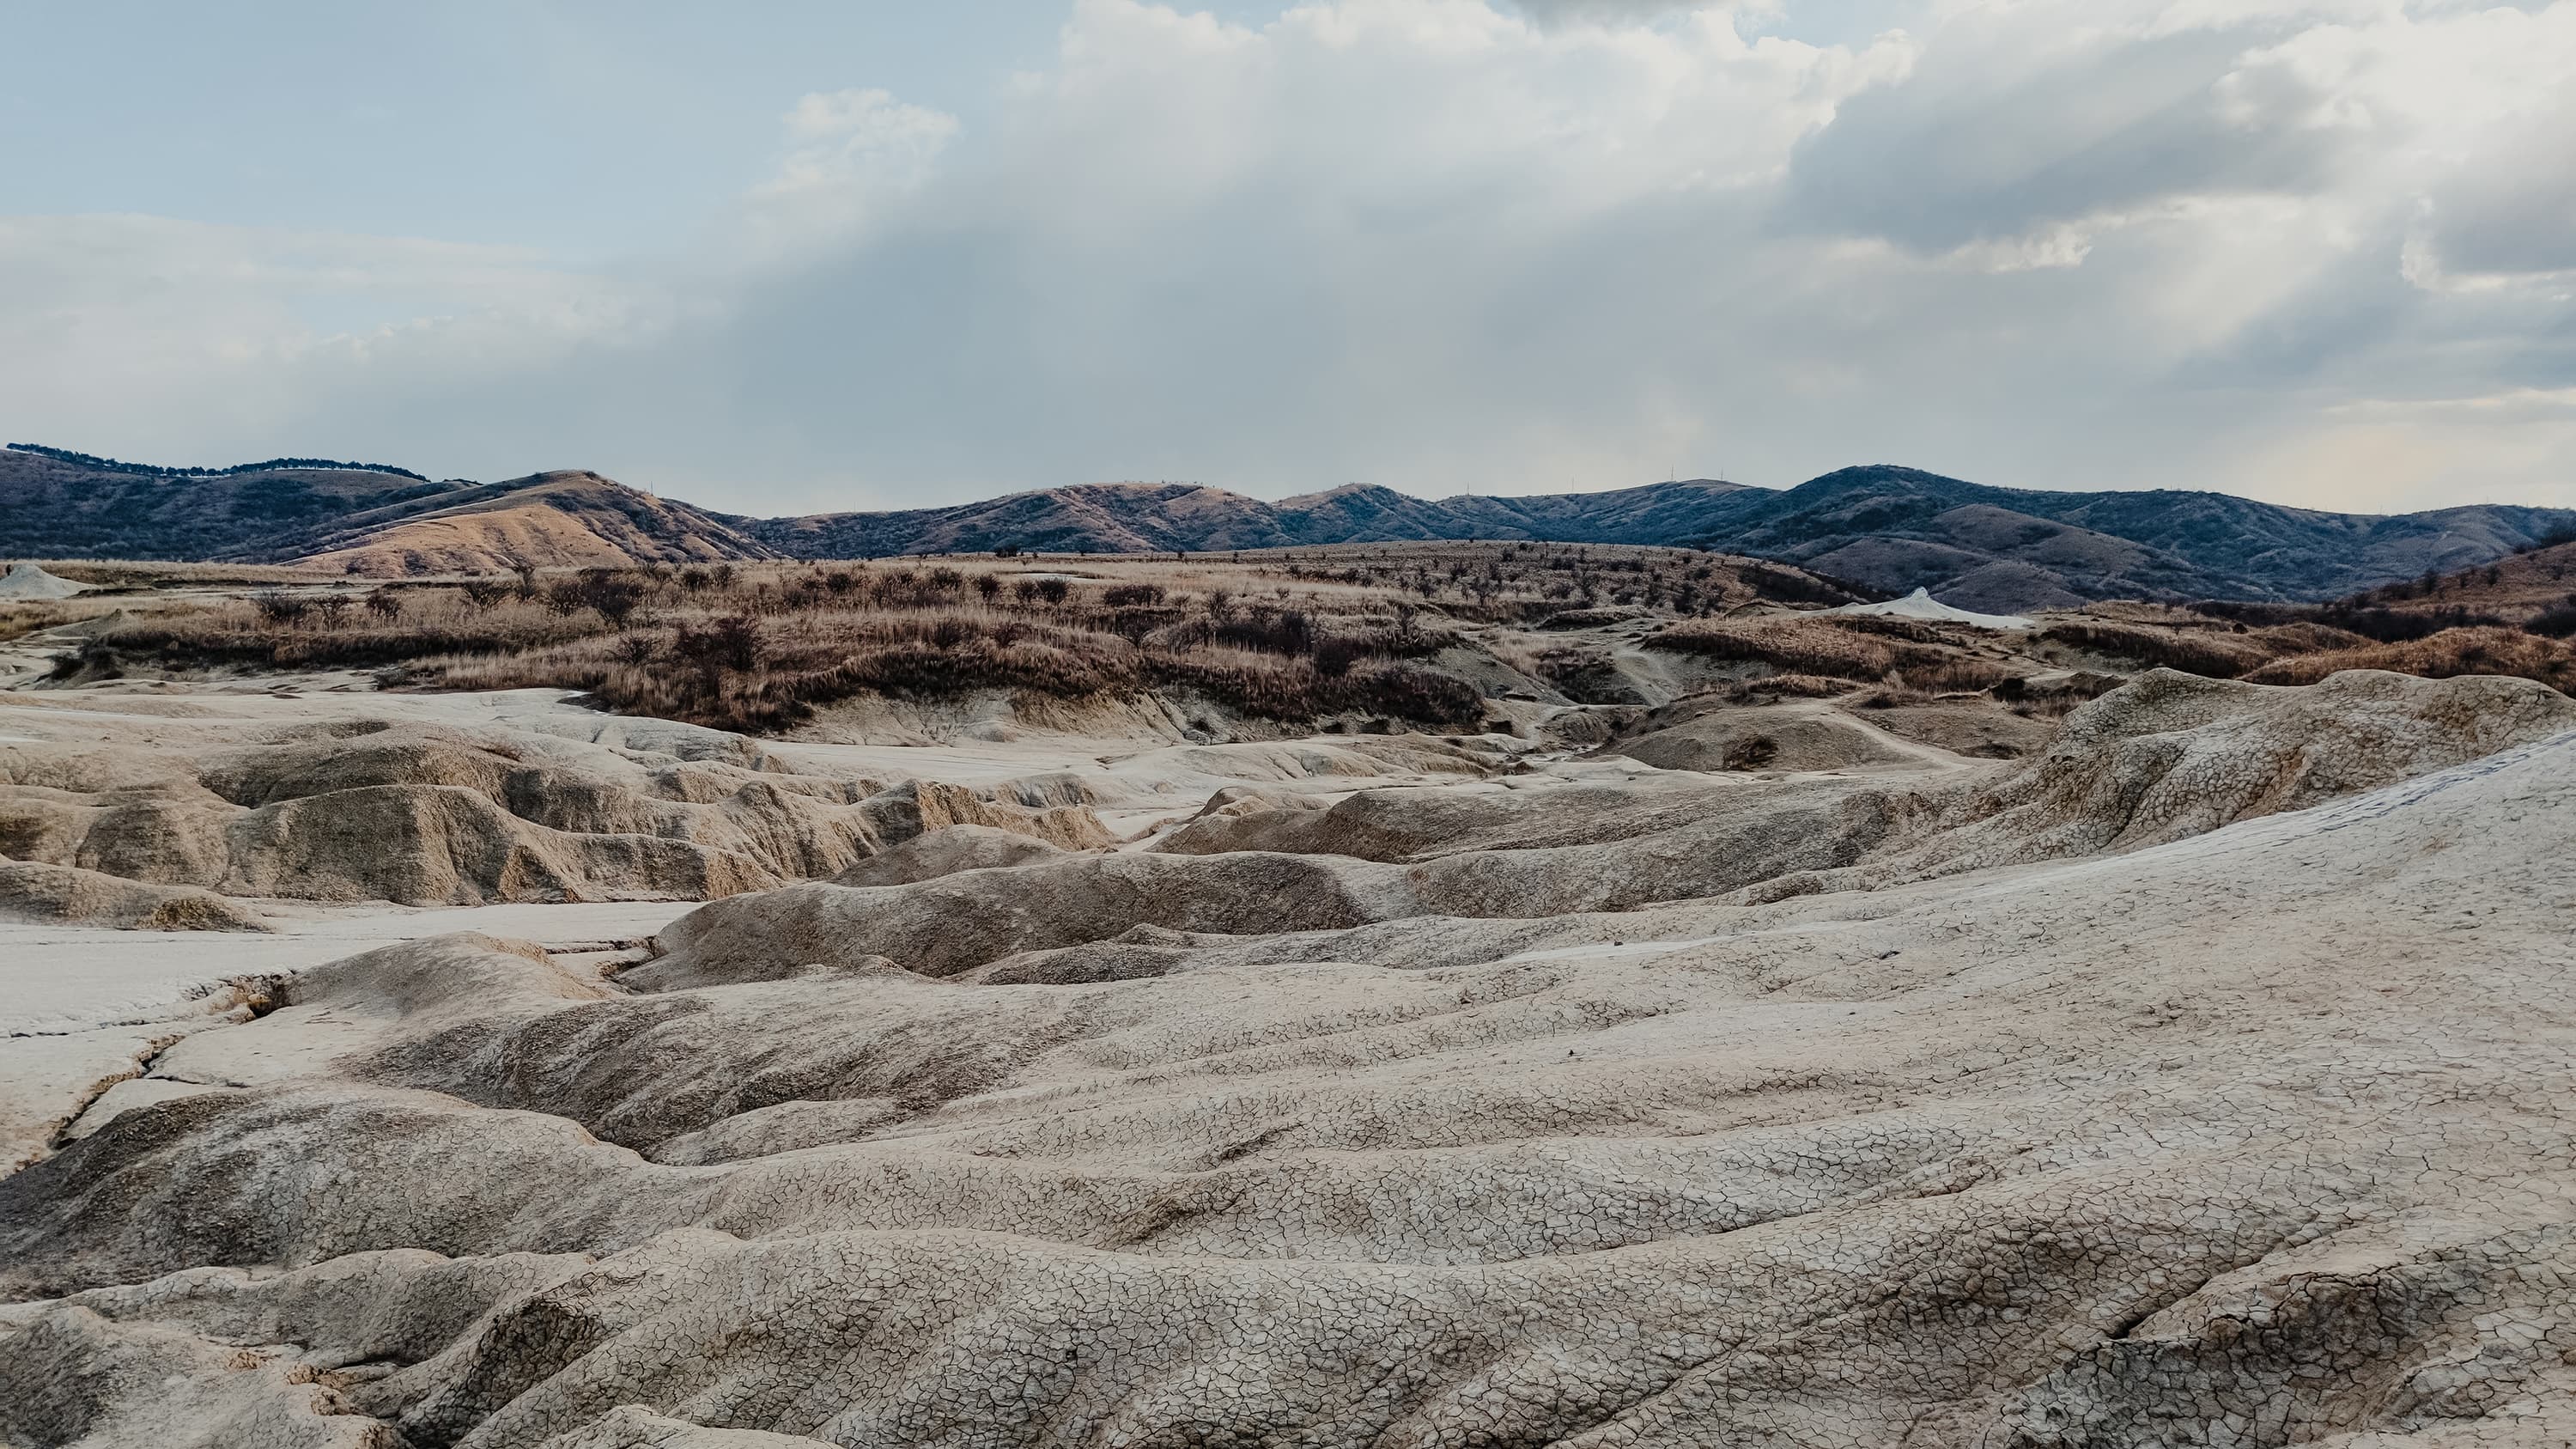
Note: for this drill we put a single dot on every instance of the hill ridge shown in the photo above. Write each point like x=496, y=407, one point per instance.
x=1888, y=526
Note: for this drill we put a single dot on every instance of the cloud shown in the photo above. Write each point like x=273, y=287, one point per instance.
x=193, y=342
x=1446, y=243
x=850, y=155
x=1621, y=12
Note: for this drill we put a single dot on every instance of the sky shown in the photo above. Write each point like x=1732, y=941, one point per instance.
x=796, y=255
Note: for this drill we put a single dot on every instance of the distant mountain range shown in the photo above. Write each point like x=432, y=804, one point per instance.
x=1890, y=528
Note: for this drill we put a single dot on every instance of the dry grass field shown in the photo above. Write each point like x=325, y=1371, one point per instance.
x=1418, y=635
x=1286, y=636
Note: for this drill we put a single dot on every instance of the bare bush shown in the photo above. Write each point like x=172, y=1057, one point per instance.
x=730, y=642
x=280, y=609
x=1751, y=752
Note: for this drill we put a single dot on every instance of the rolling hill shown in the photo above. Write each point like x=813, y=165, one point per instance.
x=1998, y=550
x=60, y=505
x=1898, y=529
x=2012, y=548
x=2516, y=588
x=1153, y=517
x=546, y=519
x=347, y=518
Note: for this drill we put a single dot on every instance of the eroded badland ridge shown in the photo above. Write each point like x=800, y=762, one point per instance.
x=1398, y=994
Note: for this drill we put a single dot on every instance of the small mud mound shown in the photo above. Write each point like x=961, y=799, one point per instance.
x=947, y=851
x=1712, y=736
x=26, y=581
x=61, y=894
x=1921, y=605
x=1384, y=824
x=1974, y=727
x=945, y=926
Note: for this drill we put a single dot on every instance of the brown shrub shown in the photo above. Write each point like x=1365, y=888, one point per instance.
x=264, y=634
x=1890, y=697
x=1915, y=631
x=1786, y=686
x=1959, y=674
x=1752, y=752
x=1562, y=664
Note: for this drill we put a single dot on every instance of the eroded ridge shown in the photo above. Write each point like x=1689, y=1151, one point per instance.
x=140, y=828
x=2202, y=1081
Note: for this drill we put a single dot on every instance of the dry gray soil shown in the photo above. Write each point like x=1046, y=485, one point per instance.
x=2200, y=1076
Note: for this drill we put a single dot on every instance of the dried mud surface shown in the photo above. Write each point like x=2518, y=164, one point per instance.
x=2201, y=1078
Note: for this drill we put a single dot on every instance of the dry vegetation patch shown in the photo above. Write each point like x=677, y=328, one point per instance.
x=1288, y=636
x=2448, y=654
x=1859, y=649
x=2211, y=654
x=759, y=649
x=17, y=620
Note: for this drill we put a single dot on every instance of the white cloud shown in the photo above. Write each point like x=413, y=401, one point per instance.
x=1440, y=243
x=851, y=154
x=195, y=341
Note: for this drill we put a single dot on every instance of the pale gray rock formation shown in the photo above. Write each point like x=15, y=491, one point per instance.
x=636, y=1428
x=2170, y=755
x=427, y=814
x=956, y=923
x=36, y=892
x=1777, y=737
x=946, y=851
x=2239, y=1116
x=77, y=1378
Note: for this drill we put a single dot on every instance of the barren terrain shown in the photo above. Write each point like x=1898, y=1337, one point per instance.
x=1403, y=995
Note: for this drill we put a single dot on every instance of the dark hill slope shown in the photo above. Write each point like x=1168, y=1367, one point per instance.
x=355, y=519
x=1359, y=513
x=1089, y=518
x=53, y=507
x=1150, y=517
x=1980, y=547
